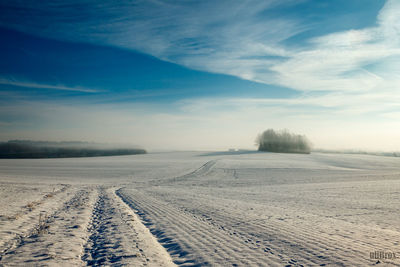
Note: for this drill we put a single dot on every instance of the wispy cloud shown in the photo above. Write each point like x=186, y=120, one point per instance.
x=354, y=60
x=28, y=84
x=234, y=38
x=230, y=37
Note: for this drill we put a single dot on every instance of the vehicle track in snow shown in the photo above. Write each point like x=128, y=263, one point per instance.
x=117, y=237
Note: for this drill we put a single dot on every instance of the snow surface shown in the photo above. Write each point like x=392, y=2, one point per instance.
x=201, y=209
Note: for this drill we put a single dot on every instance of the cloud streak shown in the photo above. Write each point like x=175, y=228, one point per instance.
x=26, y=84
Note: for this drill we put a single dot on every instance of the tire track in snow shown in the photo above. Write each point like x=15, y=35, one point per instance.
x=201, y=171
x=116, y=236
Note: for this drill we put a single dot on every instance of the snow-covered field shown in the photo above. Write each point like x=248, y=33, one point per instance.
x=201, y=209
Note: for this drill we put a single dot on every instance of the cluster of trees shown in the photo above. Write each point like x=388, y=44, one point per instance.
x=283, y=142
x=29, y=149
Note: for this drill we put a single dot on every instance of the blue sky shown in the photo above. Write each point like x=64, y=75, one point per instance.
x=164, y=73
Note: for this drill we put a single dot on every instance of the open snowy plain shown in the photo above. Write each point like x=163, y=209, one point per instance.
x=201, y=209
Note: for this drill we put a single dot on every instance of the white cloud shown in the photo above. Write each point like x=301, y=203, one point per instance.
x=339, y=61
x=390, y=23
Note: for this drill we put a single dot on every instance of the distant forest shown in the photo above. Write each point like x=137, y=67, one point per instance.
x=15, y=149
x=283, y=142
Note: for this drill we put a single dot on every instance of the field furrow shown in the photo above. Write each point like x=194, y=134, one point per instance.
x=193, y=242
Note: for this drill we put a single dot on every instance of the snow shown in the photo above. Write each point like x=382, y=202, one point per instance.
x=200, y=209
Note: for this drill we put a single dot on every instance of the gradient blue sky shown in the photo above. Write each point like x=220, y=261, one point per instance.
x=201, y=74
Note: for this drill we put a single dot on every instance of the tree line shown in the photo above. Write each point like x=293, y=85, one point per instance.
x=26, y=149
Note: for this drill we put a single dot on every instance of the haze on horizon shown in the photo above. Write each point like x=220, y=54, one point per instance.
x=201, y=74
